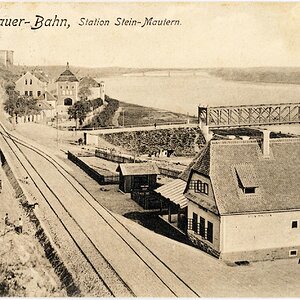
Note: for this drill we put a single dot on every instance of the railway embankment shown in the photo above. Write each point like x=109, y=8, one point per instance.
x=41, y=235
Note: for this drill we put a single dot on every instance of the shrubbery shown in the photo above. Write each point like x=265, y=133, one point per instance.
x=104, y=118
x=17, y=105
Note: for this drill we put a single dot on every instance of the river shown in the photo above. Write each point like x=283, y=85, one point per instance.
x=182, y=92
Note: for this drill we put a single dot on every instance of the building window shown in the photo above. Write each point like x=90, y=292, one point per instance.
x=293, y=252
x=193, y=184
x=73, y=87
x=249, y=190
x=198, y=186
x=61, y=87
x=38, y=93
x=294, y=224
x=26, y=81
x=67, y=87
x=30, y=93
x=202, y=227
x=210, y=231
x=26, y=93
x=30, y=82
x=194, y=222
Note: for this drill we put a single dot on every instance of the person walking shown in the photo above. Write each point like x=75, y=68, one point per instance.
x=20, y=227
x=6, y=220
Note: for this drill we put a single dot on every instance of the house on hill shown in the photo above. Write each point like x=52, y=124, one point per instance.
x=66, y=90
x=97, y=90
x=32, y=84
x=244, y=199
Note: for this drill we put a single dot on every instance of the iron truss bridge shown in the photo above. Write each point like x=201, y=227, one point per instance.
x=249, y=115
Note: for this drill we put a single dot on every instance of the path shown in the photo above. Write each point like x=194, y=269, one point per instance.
x=140, y=128
x=91, y=115
x=115, y=118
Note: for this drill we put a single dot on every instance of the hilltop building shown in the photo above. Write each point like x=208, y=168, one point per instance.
x=32, y=84
x=97, y=89
x=67, y=90
x=242, y=198
x=6, y=58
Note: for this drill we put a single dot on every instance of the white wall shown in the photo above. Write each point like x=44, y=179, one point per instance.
x=36, y=85
x=259, y=231
x=208, y=216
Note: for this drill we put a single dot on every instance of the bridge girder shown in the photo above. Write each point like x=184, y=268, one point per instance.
x=249, y=115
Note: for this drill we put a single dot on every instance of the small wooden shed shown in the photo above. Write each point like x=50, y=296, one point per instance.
x=137, y=176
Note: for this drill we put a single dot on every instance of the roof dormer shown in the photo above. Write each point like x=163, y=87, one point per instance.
x=247, y=179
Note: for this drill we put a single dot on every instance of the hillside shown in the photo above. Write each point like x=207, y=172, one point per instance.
x=141, y=115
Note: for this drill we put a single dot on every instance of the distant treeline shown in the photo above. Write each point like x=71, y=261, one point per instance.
x=263, y=75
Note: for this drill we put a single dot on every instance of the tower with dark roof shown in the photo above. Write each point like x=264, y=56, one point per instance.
x=67, y=90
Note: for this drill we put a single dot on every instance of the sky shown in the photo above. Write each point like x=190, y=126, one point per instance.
x=209, y=35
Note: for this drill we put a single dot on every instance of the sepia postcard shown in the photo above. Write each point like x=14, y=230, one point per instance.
x=149, y=149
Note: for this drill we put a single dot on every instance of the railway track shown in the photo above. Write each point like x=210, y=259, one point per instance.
x=174, y=284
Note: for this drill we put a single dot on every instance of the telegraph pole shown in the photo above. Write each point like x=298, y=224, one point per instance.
x=57, y=129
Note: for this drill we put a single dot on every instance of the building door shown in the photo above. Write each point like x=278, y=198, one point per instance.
x=68, y=102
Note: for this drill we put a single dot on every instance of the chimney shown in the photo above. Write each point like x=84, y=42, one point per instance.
x=266, y=144
x=208, y=135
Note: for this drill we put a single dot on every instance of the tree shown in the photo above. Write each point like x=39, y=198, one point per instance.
x=84, y=92
x=17, y=105
x=78, y=111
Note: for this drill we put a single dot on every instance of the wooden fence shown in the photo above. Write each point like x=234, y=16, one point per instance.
x=169, y=172
x=124, y=159
x=116, y=158
x=101, y=179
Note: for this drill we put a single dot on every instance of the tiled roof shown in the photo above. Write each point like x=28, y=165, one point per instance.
x=37, y=74
x=247, y=176
x=138, y=169
x=89, y=81
x=184, y=175
x=203, y=201
x=47, y=96
x=44, y=105
x=277, y=179
x=174, y=192
x=40, y=76
x=67, y=75
x=202, y=165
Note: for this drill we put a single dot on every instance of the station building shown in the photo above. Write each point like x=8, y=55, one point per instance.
x=243, y=199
